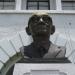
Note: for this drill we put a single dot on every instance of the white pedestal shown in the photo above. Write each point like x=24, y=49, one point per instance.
x=44, y=69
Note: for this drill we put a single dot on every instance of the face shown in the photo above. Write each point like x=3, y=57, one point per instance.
x=40, y=25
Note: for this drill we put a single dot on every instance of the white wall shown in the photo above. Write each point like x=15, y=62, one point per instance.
x=14, y=22
x=18, y=19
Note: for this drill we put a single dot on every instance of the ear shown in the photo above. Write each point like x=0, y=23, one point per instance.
x=28, y=31
x=52, y=29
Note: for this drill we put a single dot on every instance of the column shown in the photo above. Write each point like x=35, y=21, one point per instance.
x=18, y=4
x=58, y=5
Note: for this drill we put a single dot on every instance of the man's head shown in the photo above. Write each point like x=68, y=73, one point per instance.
x=40, y=25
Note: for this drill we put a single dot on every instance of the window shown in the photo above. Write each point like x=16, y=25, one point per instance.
x=7, y=4
x=68, y=4
x=7, y=0
x=38, y=5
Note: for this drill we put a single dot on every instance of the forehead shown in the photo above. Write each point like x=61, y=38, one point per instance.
x=45, y=18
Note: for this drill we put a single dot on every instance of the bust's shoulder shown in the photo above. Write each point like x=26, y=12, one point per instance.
x=60, y=50
x=58, y=47
x=25, y=49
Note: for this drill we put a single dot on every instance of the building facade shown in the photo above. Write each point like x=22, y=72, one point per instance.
x=37, y=4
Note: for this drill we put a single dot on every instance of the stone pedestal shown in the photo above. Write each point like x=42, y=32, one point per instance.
x=43, y=69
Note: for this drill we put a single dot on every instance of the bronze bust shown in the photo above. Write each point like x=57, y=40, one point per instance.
x=40, y=27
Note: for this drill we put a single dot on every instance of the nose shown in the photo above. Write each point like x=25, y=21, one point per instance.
x=41, y=20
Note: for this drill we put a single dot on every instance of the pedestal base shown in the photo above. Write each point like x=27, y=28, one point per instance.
x=38, y=60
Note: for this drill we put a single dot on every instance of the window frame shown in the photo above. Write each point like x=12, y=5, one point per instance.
x=70, y=6
x=38, y=2
x=4, y=4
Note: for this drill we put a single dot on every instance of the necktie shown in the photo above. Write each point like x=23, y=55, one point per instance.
x=42, y=51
